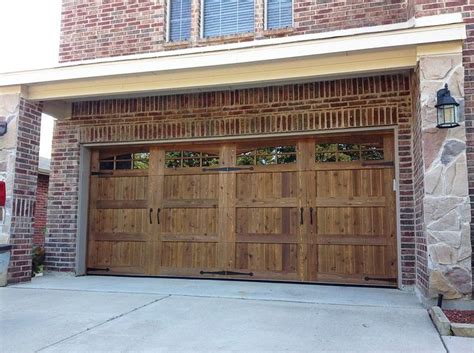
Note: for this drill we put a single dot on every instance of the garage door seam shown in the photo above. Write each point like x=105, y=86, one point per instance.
x=102, y=323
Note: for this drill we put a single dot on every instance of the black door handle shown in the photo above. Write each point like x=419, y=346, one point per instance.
x=311, y=215
x=150, y=213
x=158, y=215
x=301, y=216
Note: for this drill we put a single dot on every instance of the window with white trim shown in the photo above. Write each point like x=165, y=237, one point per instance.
x=179, y=20
x=224, y=17
x=279, y=14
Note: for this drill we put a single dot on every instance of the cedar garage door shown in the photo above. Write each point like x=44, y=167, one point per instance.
x=318, y=209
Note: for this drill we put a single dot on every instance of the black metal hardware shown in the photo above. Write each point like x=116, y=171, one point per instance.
x=385, y=279
x=301, y=215
x=150, y=213
x=311, y=215
x=226, y=169
x=378, y=163
x=226, y=273
x=100, y=173
x=158, y=215
x=98, y=269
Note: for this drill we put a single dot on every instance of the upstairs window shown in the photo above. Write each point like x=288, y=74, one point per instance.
x=279, y=13
x=224, y=17
x=179, y=20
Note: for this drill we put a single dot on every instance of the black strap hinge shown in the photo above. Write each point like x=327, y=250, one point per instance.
x=226, y=273
x=226, y=169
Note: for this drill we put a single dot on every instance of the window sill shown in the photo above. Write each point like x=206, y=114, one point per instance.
x=278, y=32
x=182, y=44
x=230, y=38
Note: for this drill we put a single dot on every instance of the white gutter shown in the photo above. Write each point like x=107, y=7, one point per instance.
x=426, y=30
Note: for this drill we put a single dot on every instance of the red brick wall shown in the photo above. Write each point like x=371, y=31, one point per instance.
x=40, y=209
x=24, y=190
x=421, y=254
x=97, y=29
x=118, y=119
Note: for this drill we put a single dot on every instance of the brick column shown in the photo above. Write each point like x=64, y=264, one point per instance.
x=443, y=234
x=60, y=239
x=19, y=150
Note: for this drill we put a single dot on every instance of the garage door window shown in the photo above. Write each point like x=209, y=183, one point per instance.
x=268, y=156
x=138, y=160
x=348, y=152
x=189, y=159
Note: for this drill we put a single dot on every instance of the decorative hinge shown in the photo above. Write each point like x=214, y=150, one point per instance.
x=226, y=273
x=226, y=169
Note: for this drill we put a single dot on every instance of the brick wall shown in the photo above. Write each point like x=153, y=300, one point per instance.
x=105, y=28
x=138, y=119
x=40, y=209
x=421, y=254
x=24, y=190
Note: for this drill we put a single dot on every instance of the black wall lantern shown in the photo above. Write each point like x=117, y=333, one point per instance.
x=447, y=109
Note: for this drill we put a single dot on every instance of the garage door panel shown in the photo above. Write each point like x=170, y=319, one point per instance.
x=191, y=187
x=189, y=255
x=117, y=257
x=364, y=221
x=316, y=209
x=266, y=257
x=189, y=221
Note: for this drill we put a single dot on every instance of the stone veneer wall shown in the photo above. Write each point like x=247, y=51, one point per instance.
x=19, y=150
x=446, y=204
x=369, y=101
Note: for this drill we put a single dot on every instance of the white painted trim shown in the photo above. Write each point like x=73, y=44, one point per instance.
x=397, y=206
x=82, y=211
x=201, y=20
x=261, y=51
x=168, y=11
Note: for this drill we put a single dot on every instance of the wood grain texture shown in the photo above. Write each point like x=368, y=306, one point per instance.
x=305, y=221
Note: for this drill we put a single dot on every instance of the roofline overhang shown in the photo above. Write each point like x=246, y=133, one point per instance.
x=296, y=58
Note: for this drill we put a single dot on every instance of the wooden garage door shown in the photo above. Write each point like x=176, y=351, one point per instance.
x=316, y=210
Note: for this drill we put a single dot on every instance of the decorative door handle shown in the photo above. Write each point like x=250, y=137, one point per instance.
x=150, y=213
x=158, y=215
x=301, y=215
x=311, y=215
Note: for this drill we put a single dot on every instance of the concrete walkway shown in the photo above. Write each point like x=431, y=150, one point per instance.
x=117, y=314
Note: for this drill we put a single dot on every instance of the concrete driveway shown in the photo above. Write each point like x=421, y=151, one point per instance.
x=117, y=314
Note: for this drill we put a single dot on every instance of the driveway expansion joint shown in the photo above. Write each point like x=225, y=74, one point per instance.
x=102, y=323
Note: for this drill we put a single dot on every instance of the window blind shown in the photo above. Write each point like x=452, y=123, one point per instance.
x=279, y=13
x=224, y=17
x=180, y=20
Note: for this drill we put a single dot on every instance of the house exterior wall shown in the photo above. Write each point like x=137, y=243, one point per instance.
x=106, y=28
x=41, y=210
x=331, y=105
x=19, y=150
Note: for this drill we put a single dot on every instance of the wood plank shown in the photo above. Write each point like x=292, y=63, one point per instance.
x=267, y=203
x=266, y=238
x=140, y=237
x=350, y=202
x=121, y=204
x=190, y=203
x=341, y=239
x=208, y=238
